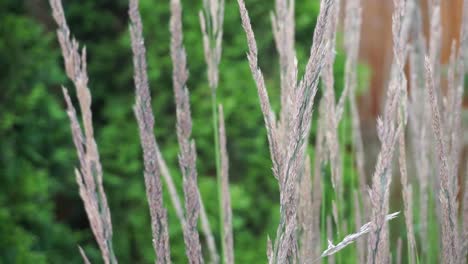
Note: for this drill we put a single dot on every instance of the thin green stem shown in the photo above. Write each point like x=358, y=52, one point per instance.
x=218, y=171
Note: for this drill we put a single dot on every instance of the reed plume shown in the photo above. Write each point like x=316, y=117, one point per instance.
x=288, y=161
x=187, y=152
x=89, y=175
x=446, y=196
x=211, y=22
x=378, y=242
x=145, y=118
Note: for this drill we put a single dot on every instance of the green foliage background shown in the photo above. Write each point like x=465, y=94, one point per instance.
x=42, y=219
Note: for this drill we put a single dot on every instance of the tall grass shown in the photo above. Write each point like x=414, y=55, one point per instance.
x=415, y=105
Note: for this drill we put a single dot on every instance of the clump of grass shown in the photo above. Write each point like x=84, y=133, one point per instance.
x=304, y=217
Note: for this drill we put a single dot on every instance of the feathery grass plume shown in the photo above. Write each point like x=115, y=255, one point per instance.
x=145, y=118
x=333, y=249
x=301, y=114
x=305, y=217
x=453, y=109
x=435, y=40
x=174, y=195
x=447, y=197
x=227, y=212
x=352, y=32
x=187, y=152
x=268, y=114
x=402, y=118
x=329, y=97
x=180, y=211
x=419, y=124
x=378, y=242
x=288, y=162
x=205, y=225
x=211, y=22
x=283, y=26
x=89, y=176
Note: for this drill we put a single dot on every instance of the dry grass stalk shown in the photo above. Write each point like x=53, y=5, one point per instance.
x=434, y=49
x=305, y=216
x=211, y=22
x=187, y=152
x=332, y=121
x=319, y=163
x=288, y=162
x=435, y=42
x=175, y=199
x=419, y=125
x=83, y=255
x=89, y=176
x=378, y=243
x=399, y=248
x=352, y=31
x=452, y=114
x=447, y=197
x=268, y=114
x=269, y=250
x=349, y=239
x=284, y=31
x=407, y=191
x=401, y=50
x=206, y=229
x=227, y=212
x=361, y=243
x=205, y=225
x=418, y=113
x=145, y=118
